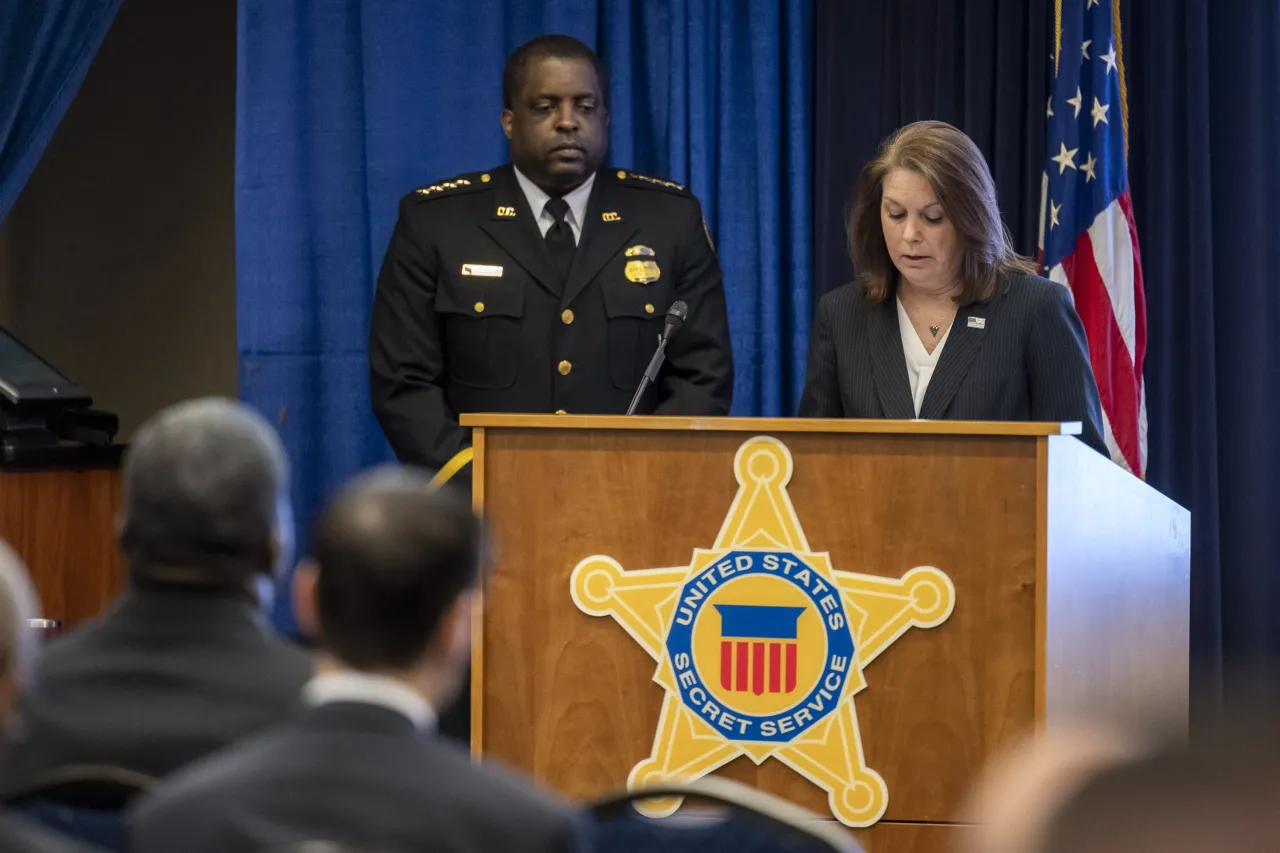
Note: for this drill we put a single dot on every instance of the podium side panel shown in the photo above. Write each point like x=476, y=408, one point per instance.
x=570, y=698
x=1117, y=604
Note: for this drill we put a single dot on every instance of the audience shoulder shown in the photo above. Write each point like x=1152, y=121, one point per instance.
x=499, y=788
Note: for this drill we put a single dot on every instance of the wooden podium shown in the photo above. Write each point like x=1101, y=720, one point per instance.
x=58, y=511
x=991, y=576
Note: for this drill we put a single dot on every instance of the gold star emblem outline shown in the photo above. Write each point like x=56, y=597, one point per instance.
x=880, y=609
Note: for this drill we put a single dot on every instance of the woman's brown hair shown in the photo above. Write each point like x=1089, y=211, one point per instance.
x=958, y=174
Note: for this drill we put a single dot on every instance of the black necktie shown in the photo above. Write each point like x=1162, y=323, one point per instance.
x=559, y=237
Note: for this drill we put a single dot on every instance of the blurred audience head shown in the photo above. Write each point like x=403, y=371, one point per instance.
x=389, y=586
x=206, y=500
x=18, y=641
x=1102, y=790
x=1020, y=791
x=1214, y=796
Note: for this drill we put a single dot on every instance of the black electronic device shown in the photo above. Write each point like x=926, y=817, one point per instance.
x=42, y=408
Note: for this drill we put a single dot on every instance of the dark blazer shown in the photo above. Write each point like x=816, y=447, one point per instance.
x=161, y=679
x=443, y=343
x=20, y=835
x=1019, y=356
x=353, y=773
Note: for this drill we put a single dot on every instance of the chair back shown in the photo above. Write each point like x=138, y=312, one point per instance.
x=84, y=802
x=317, y=846
x=719, y=816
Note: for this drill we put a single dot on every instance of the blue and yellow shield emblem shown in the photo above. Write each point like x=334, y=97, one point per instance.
x=761, y=644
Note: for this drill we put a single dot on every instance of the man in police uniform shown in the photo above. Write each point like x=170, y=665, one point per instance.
x=542, y=285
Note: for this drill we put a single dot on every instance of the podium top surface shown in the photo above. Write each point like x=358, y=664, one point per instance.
x=837, y=425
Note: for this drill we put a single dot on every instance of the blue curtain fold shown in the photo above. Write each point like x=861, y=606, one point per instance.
x=45, y=51
x=1204, y=110
x=345, y=105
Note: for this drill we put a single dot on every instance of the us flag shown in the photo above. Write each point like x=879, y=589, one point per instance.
x=1088, y=240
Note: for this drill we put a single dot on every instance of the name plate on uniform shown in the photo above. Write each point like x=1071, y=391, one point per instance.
x=485, y=270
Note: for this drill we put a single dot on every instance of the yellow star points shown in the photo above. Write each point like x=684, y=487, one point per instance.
x=722, y=701
x=1065, y=159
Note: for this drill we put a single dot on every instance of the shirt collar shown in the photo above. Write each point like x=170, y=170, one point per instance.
x=577, y=200
x=370, y=689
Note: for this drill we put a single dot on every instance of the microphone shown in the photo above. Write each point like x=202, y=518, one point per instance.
x=676, y=315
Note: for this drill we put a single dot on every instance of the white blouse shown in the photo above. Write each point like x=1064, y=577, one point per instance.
x=920, y=362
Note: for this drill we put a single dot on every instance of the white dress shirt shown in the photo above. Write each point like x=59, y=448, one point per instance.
x=370, y=690
x=920, y=362
x=538, y=199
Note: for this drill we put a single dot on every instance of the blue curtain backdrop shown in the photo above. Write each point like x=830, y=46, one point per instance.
x=1204, y=95
x=45, y=51
x=1204, y=98
x=345, y=105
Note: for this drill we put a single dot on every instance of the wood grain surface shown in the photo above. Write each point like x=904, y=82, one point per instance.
x=569, y=698
x=62, y=523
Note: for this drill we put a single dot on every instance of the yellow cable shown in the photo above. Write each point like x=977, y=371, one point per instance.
x=459, y=461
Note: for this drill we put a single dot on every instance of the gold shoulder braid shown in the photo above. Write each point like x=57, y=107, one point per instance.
x=452, y=186
x=645, y=180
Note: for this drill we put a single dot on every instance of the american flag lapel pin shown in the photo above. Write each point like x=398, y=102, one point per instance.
x=977, y=322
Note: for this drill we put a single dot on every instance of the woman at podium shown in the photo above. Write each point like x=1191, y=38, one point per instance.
x=945, y=320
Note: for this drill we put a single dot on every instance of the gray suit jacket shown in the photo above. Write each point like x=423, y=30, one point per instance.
x=357, y=774
x=1023, y=357
x=159, y=680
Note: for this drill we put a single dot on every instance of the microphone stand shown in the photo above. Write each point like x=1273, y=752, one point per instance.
x=650, y=373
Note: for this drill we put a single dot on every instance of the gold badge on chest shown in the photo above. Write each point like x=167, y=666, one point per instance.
x=643, y=272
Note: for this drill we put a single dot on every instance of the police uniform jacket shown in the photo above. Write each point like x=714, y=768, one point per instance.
x=471, y=314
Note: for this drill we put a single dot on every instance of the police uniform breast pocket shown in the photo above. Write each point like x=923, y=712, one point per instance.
x=634, y=315
x=481, y=314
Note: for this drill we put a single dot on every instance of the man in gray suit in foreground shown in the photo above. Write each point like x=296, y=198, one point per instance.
x=391, y=590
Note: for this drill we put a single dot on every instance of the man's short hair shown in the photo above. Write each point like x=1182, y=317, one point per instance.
x=205, y=485
x=394, y=554
x=516, y=72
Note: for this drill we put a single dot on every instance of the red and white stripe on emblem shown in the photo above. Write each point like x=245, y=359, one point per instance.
x=757, y=666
